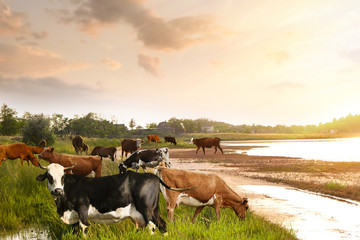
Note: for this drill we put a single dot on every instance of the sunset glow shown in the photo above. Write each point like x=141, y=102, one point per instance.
x=240, y=62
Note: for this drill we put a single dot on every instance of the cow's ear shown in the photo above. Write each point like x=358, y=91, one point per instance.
x=244, y=201
x=41, y=177
x=51, y=149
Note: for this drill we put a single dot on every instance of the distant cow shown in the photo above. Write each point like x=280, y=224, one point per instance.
x=18, y=150
x=104, y=152
x=211, y=191
x=106, y=200
x=153, y=138
x=79, y=145
x=42, y=143
x=84, y=164
x=130, y=146
x=207, y=143
x=146, y=158
x=170, y=140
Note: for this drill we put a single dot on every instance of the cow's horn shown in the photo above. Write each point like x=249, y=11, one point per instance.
x=42, y=166
x=71, y=167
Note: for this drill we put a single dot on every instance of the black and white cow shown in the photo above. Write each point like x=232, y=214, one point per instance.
x=146, y=158
x=106, y=200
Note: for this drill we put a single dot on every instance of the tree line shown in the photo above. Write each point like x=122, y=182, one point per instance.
x=34, y=127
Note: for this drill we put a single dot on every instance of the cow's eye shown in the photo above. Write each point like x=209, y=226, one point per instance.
x=50, y=179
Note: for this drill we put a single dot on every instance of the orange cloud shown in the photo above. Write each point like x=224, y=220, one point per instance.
x=279, y=57
x=20, y=61
x=112, y=64
x=150, y=64
x=11, y=23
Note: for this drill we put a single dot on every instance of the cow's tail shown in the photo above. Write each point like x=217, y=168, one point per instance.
x=175, y=189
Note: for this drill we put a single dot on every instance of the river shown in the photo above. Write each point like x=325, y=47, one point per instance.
x=338, y=149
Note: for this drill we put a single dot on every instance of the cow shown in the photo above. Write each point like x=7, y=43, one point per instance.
x=153, y=138
x=211, y=191
x=146, y=158
x=42, y=143
x=130, y=146
x=170, y=140
x=106, y=200
x=18, y=150
x=104, y=152
x=84, y=164
x=206, y=143
x=36, y=150
x=79, y=145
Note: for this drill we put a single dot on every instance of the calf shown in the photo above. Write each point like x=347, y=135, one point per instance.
x=106, y=200
x=153, y=138
x=79, y=145
x=130, y=146
x=207, y=143
x=104, y=152
x=18, y=150
x=170, y=140
x=211, y=191
x=146, y=158
x=84, y=164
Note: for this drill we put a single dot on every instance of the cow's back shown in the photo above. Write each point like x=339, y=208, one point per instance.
x=14, y=151
x=84, y=164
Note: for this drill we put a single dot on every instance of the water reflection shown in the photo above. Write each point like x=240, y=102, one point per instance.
x=338, y=150
x=312, y=216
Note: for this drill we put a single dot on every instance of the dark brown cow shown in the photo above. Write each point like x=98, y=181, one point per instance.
x=42, y=143
x=207, y=143
x=84, y=164
x=79, y=145
x=104, y=152
x=18, y=150
x=153, y=138
x=170, y=140
x=130, y=146
x=210, y=190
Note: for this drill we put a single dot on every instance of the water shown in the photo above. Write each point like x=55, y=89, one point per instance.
x=338, y=150
x=310, y=215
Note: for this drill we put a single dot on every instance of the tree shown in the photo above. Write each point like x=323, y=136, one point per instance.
x=151, y=125
x=132, y=124
x=37, y=127
x=9, y=124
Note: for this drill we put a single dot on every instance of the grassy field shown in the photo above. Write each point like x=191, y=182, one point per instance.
x=27, y=203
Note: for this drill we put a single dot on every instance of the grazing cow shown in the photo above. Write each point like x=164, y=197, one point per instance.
x=130, y=146
x=170, y=140
x=146, y=158
x=211, y=191
x=18, y=150
x=153, y=138
x=106, y=200
x=104, y=152
x=79, y=145
x=84, y=164
x=206, y=143
x=36, y=150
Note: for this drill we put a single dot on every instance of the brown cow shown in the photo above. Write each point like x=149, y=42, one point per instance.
x=207, y=143
x=84, y=164
x=130, y=146
x=36, y=150
x=170, y=140
x=104, y=152
x=153, y=138
x=79, y=145
x=211, y=191
x=18, y=150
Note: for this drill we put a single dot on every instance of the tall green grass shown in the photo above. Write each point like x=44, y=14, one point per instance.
x=25, y=202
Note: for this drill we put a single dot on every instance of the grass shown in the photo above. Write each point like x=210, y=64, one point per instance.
x=27, y=203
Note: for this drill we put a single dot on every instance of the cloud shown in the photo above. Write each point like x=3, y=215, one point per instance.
x=112, y=64
x=21, y=60
x=285, y=86
x=352, y=55
x=40, y=35
x=150, y=64
x=153, y=31
x=11, y=23
x=279, y=57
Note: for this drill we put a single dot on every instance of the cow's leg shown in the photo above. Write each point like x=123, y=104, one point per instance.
x=22, y=160
x=197, y=211
x=83, y=218
x=197, y=149
x=98, y=171
x=203, y=150
x=215, y=149
x=221, y=149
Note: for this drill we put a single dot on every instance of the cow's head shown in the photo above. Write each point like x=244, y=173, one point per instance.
x=122, y=168
x=191, y=141
x=47, y=153
x=241, y=208
x=55, y=175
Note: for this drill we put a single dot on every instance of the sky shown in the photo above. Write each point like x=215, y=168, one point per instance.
x=235, y=61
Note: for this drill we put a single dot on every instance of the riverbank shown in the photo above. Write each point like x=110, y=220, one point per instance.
x=339, y=179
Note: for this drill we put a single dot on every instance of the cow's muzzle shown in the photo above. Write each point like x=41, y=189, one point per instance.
x=58, y=192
